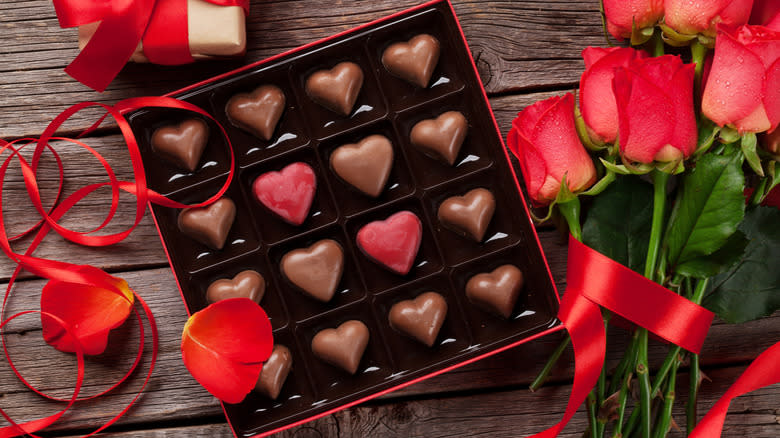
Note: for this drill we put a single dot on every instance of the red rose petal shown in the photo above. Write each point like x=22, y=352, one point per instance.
x=91, y=310
x=224, y=346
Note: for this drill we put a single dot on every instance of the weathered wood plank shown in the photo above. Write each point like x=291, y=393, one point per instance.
x=517, y=46
x=500, y=414
x=174, y=395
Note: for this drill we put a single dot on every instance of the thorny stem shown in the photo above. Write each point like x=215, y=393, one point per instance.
x=629, y=362
x=695, y=372
x=542, y=377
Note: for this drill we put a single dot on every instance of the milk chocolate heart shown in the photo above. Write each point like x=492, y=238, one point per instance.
x=182, y=144
x=343, y=346
x=496, y=291
x=414, y=60
x=316, y=270
x=442, y=137
x=469, y=214
x=209, y=225
x=275, y=372
x=257, y=112
x=365, y=165
x=247, y=284
x=288, y=193
x=394, y=242
x=420, y=318
x=336, y=89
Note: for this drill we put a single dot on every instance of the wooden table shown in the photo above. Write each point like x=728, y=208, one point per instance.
x=525, y=51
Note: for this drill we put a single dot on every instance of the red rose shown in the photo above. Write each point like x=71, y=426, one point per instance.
x=655, y=109
x=766, y=13
x=544, y=139
x=743, y=87
x=597, y=101
x=700, y=17
x=622, y=14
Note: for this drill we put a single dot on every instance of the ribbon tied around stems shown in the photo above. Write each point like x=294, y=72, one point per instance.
x=161, y=24
x=67, y=272
x=595, y=280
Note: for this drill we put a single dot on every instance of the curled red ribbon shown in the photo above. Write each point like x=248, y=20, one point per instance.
x=67, y=272
x=161, y=24
x=595, y=280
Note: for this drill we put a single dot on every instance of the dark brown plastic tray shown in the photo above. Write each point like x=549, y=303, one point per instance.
x=308, y=133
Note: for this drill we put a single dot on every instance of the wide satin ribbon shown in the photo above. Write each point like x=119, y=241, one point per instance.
x=595, y=280
x=161, y=24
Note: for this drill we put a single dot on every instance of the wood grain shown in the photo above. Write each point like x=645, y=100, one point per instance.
x=518, y=47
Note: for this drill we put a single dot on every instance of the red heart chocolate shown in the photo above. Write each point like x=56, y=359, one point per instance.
x=365, y=165
x=182, y=144
x=316, y=270
x=257, y=112
x=338, y=88
x=247, y=284
x=469, y=214
x=393, y=242
x=209, y=225
x=288, y=193
x=496, y=291
x=275, y=372
x=442, y=137
x=420, y=318
x=343, y=346
x=414, y=60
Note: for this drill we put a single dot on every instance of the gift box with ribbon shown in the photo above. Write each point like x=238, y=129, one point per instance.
x=167, y=32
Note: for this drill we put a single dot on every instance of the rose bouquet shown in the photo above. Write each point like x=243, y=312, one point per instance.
x=663, y=166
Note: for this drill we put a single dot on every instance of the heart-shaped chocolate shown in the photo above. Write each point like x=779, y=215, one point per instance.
x=288, y=193
x=393, y=242
x=343, y=346
x=496, y=291
x=365, y=165
x=420, y=318
x=247, y=284
x=414, y=60
x=470, y=214
x=315, y=270
x=442, y=137
x=275, y=372
x=336, y=89
x=209, y=225
x=257, y=112
x=182, y=144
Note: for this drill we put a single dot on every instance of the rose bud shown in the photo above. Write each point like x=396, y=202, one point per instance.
x=698, y=17
x=597, y=100
x=743, y=87
x=544, y=139
x=655, y=109
x=625, y=15
x=766, y=13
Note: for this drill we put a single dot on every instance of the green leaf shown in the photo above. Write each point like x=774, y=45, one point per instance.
x=751, y=289
x=618, y=222
x=726, y=257
x=748, y=145
x=709, y=206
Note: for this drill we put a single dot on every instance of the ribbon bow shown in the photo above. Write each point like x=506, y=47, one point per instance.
x=161, y=25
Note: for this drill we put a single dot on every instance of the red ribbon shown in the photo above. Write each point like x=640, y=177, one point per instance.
x=595, y=280
x=62, y=271
x=161, y=24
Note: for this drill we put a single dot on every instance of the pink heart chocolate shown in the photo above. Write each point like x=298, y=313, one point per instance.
x=393, y=242
x=288, y=193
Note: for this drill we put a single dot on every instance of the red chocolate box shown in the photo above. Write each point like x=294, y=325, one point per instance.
x=394, y=248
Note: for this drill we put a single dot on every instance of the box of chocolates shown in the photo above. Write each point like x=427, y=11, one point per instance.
x=373, y=213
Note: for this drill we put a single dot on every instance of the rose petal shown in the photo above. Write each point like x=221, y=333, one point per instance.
x=735, y=85
x=92, y=311
x=621, y=14
x=224, y=345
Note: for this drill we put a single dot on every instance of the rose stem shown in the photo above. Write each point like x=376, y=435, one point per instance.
x=662, y=429
x=698, y=53
x=695, y=372
x=642, y=369
x=591, y=405
x=625, y=384
x=542, y=377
